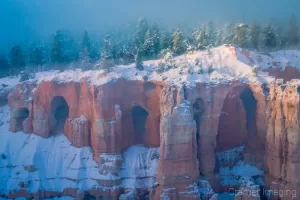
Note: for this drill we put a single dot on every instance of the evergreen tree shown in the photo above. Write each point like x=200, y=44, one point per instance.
x=139, y=61
x=37, y=55
x=4, y=66
x=210, y=34
x=229, y=33
x=85, y=49
x=292, y=35
x=148, y=47
x=71, y=50
x=200, y=38
x=202, y=42
x=156, y=39
x=106, y=55
x=64, y=49
x=57, y=48
x=241, y=36
x=269, y=40
x=254, y=36
x=178, y=45
x=282, y=39
x=166, y=40
x=219, y=38
x=116, y=51
x=142, y=28
x=17, y=59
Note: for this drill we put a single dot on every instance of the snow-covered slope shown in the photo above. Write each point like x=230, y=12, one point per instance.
x=219, y=65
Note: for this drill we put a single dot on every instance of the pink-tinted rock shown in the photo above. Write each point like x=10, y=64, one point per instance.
x=178, y=151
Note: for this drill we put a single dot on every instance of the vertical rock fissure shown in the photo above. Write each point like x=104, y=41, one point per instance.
x=198, y=109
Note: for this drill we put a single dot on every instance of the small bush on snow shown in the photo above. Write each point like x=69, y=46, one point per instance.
x=24, y=76
x=162, y=67
x=210, y=69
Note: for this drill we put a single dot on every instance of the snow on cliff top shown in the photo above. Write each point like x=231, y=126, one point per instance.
x=227, y=63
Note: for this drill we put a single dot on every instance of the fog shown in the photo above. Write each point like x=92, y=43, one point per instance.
x=22, y=20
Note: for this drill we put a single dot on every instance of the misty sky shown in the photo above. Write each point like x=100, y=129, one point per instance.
x=22, y=19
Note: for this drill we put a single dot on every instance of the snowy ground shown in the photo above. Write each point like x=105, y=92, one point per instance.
x=139, y=167
x=236, y=174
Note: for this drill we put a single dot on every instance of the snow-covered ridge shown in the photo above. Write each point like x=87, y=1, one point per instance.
x=218, y=65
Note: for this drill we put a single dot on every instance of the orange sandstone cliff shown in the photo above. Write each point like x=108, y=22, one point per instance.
x=194, y=132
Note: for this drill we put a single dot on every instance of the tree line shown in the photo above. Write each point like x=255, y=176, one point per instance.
x=148, y=41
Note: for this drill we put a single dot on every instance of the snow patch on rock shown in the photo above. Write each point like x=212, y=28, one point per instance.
x=139, y=168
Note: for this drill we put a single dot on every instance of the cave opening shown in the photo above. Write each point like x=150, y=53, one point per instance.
x=139, y=116
x=249, y=103
x=198, y=109
x=237, y=122
x=60, y=111
x=20, y=115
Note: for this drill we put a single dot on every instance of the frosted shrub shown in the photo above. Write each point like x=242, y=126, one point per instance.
x=162, y=67
x=24, y=76
x=200, y=70
x=210, y=69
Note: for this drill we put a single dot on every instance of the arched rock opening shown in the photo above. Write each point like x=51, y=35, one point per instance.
x=139, y=116
x=20, y=115
x=60, y=112
x=238, y=119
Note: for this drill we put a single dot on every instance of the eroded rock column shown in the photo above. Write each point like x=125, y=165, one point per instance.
x=283, y=140
x=178, y=165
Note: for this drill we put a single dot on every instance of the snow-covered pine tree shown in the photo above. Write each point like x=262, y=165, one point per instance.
x=210, y=34
x=4, y=66
x=139, y=61
x=293, y=33
x=269, y=41
x=165, y=40
x=85, y=49
x=219, y=37
x=178, y=45
x=281, y=34
x=71, y=49
x=142, y=28
x=229, y=33
x=37, y=55
x=241, y=35
x=254, y=36
x=199, y=36
x=148, y=46
x=56, y=55
x=156, y=39
x=17, y=59
x=106, y=54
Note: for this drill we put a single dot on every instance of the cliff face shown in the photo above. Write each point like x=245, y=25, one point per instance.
x=188, y=124
x=138, y=139
x=93, y=113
